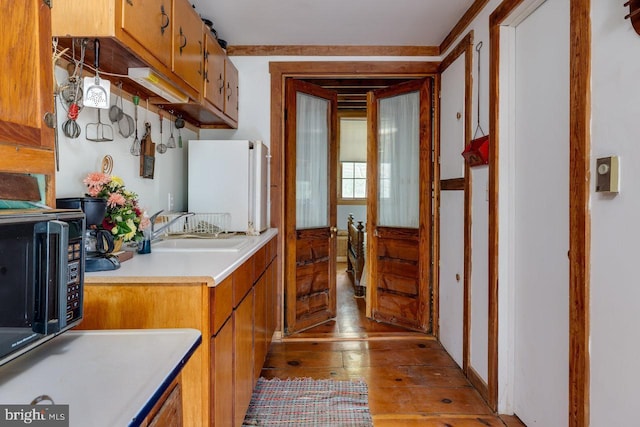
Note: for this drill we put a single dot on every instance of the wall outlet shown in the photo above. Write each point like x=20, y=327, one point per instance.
x=169, y=202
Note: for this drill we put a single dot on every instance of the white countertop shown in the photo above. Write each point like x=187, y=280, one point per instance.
x=211, y=267
x=108, y=378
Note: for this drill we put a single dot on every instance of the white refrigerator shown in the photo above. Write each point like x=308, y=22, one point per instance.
x=230, y=176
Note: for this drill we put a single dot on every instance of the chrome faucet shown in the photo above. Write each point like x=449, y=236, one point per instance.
x=156, y=233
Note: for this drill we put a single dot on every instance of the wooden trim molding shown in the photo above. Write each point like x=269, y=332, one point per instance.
x=494, y=109
x=462, y=24
x=477, y=382
x=579, y=213
x=452, y=184
x=331, y=50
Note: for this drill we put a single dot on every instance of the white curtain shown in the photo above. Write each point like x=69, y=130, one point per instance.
x=312, y=160
x=399, y=161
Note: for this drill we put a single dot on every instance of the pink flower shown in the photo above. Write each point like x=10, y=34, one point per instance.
x=116, y=199
x=144, y=223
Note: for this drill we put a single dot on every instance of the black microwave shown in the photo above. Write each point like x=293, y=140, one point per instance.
x=41, y=276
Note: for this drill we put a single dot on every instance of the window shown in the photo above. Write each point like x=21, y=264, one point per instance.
x=352, y=165
x=354, y=180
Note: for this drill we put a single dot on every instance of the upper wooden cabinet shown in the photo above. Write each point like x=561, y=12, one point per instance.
x=26, y=93
x=165, y=35
x=231, y=90
x=214, y=59
x=188, y=44
x=149, y=23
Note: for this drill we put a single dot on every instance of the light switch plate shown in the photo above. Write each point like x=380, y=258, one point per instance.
x=608, y=175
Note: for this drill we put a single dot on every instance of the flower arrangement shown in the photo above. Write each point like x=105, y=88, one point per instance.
x=124, y=218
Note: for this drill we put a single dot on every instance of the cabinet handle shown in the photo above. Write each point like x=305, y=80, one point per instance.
x=164, y=16
x=221, y=80
x=200, y=68
x=130, y=2
x=184, y=43
x=229, y=91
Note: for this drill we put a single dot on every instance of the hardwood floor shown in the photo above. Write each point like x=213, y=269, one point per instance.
x=412, y=380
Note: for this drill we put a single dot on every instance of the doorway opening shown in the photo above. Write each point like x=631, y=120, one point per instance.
x=352, y=82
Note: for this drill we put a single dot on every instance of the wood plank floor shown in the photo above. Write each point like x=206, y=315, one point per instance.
x=412, y=380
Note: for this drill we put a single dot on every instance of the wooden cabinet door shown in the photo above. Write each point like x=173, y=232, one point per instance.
x=188, y=49
x=149, y=23
x=26, y=92
x=260, y=325
x=168, y=410
x=231, y=89
x=214, y=59
x=222, y=376
x=243, y=362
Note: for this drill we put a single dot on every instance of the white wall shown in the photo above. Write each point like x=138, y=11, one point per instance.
x=78, y=157
x=615, y=294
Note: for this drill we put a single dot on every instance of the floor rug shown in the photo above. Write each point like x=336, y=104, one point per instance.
x=309, y=403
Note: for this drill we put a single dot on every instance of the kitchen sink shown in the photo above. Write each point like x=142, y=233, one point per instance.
x=229, y=244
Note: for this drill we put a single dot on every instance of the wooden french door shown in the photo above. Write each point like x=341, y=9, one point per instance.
x=399, y=220
x=310, y=204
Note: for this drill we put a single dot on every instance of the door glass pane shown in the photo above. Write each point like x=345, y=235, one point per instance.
x=399, y=160
x=312, y=161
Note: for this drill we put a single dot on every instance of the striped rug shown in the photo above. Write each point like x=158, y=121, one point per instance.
x=309, y=403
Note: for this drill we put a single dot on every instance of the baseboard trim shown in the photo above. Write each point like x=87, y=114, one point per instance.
x=478, y=383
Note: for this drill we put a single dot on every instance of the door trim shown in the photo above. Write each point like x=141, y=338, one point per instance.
x=465, y=47
x=579, y=213
x=280, y=71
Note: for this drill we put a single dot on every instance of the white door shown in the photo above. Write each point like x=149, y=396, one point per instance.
x=541, y=216
x=452, y=137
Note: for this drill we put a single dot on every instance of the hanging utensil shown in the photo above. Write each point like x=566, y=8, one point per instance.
x=162, y=148
x=171, y=143
x=96, y=90
x=147, y=160
x=99, y=132
x=179, y=124
x=135, y=147
x=115, y=111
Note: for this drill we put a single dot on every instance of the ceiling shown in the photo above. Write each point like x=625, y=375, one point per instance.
x=333, y=22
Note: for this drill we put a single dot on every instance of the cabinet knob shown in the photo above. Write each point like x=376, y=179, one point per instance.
x=50, y=120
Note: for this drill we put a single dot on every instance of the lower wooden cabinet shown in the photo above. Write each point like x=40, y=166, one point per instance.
x=168, y=410
x=222, y=376
x=243, y=348
x=218, y=380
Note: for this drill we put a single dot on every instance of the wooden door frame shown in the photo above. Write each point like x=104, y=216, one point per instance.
x=280, y=71
x=579, y=213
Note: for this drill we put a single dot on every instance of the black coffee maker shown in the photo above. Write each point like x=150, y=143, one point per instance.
x=98, y=243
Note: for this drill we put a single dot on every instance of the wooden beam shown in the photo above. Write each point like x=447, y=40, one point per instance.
x=462, y=24
x=452, y=184
x=327, y=50
x=579, y=213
